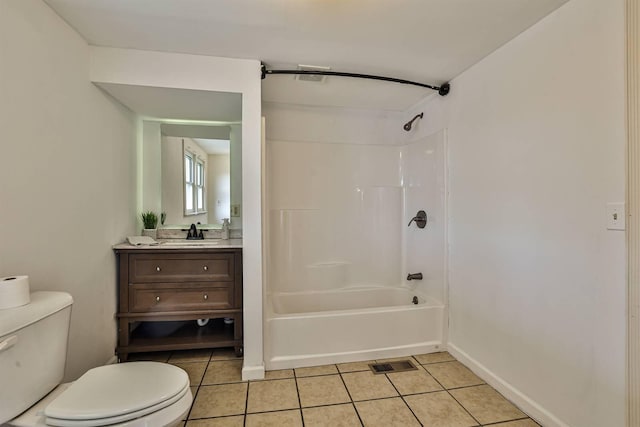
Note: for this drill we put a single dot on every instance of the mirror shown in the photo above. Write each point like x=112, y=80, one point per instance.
x=197, y=172
x=192, y=168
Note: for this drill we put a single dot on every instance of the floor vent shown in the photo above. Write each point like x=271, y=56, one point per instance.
x=397, y=366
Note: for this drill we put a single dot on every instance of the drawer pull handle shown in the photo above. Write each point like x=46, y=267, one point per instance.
x=158, y=269
x=206, y=268
x=157, y=299
x=206, y=296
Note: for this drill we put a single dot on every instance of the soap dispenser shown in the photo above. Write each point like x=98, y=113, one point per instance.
x=225, y=229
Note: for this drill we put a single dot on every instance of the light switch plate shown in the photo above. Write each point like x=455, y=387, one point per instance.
x=615, y=216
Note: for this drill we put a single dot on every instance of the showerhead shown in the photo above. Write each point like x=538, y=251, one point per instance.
x=407, y=126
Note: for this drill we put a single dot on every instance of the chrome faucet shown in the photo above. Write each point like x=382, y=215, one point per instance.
x=414, y=276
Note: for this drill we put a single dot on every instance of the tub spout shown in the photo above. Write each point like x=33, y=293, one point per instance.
x=414, y=276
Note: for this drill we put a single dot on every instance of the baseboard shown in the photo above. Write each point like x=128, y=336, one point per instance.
x=525, y=403
x=252, y=372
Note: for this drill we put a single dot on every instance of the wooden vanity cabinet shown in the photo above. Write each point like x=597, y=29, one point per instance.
x=162, y=292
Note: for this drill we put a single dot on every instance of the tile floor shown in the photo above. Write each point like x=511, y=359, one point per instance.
x=441, y=393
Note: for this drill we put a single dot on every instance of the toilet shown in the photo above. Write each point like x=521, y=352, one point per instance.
x=33, y=345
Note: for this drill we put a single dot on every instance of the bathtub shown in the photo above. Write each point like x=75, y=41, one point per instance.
x=350, y=324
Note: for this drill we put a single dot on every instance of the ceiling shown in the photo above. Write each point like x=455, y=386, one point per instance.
x=429, y=41
x=178, y=104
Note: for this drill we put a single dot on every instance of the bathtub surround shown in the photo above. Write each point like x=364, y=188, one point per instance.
x=338, y=207
x=537, y=282
x=67, y=168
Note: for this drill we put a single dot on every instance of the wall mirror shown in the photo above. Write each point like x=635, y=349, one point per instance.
x=175, y=123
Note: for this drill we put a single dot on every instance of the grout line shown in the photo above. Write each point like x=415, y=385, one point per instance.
x=349, y=394
x=506, y=421
x=447, y=390
x=246, y=405
x=404, y=401
x=463, y=407
x=295, y=381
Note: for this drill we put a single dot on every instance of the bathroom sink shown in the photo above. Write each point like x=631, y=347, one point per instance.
x=209, y=242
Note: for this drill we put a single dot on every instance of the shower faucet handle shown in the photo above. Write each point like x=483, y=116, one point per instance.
x=420, y=219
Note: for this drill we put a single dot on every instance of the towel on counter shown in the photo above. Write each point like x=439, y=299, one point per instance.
x=141, y=240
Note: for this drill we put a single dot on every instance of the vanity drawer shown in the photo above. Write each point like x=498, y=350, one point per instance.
x=157, y=268
x=171, y=297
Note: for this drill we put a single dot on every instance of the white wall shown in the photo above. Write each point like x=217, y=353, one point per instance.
x=218, y=188
x=235, y=153
x=181, y=71
x=67, y=164
x=537, y=149
x=151, y=168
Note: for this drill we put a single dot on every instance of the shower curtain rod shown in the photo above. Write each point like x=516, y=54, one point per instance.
x=442, y=90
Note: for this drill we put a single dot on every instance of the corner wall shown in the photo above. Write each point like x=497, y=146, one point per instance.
x=536, y=150
x=208, y=73
x=67, y=162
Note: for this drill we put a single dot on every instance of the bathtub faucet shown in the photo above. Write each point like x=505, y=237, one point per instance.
x=414, y=276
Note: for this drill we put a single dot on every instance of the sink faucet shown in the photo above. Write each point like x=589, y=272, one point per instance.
x=192, y=234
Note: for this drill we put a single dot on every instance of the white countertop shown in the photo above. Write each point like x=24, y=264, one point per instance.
x=186, y=244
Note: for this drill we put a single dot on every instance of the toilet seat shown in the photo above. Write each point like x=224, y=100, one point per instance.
x=115, y=394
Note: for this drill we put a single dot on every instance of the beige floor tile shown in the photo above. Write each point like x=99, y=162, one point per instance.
x=225, y=353
x=486, y=405
x=520, y=423
x=355, y=366
x=235, y=421
x=275, y=419
x=386, y=413
x=396, y=359
x=334, y=416
x=442, y=356
x=156, y=356
x=272, y=395
x=219, y=400
x=278, y=375
x=453, y=374
x=194, y=392
x=324, y=390
x=195, y=370
x=316, y=370
x=366, y=385
x=223, y=371
x=414, y=382
x=439, y=409
x=202, y=355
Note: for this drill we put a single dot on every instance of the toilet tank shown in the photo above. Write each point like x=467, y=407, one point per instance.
x=33, y=350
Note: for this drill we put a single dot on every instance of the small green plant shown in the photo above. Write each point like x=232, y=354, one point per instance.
x=149, y=219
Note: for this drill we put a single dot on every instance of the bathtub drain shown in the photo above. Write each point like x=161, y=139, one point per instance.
x=396, y=366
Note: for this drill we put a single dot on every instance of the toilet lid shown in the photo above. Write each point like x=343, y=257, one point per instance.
x=123, y=391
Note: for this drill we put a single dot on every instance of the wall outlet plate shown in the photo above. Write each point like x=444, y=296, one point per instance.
x=616, y=216
x=235, y=210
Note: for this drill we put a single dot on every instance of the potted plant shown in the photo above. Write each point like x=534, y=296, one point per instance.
x=150, y=221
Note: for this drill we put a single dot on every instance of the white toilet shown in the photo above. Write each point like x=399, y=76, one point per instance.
x=33, y=346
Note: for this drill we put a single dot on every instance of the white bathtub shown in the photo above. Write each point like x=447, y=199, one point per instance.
x=351, y=324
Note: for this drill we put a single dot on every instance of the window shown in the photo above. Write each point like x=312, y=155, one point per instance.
x=194, y=184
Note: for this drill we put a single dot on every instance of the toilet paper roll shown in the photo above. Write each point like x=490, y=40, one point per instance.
x=14, y=291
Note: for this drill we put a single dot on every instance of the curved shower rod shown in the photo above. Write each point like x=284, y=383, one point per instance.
x=442, y=90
